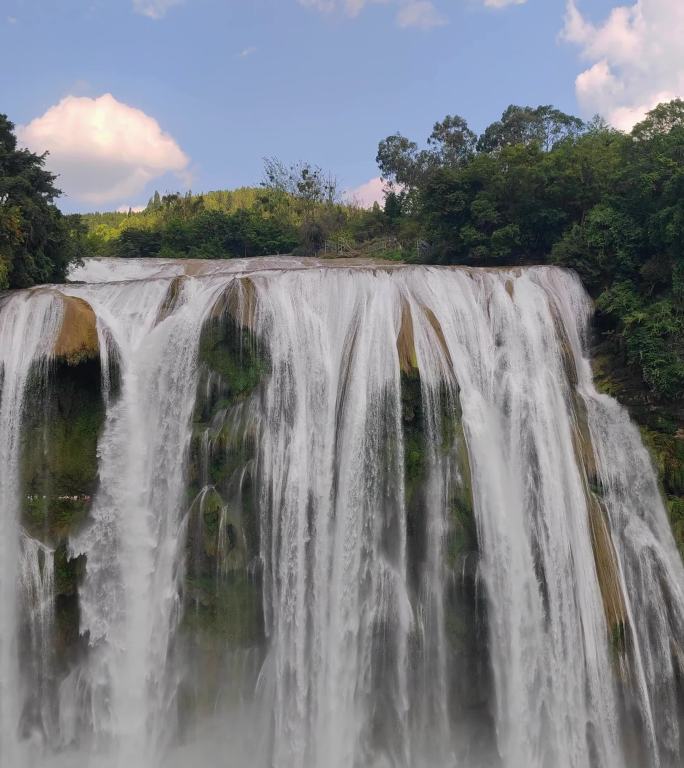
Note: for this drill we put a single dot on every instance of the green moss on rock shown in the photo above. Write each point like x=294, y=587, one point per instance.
x=59, y=463
x=59, y=476
x=414, y=433
x=222, y=596
x=231, y=353
x=229, y=609
x=449, y=450
x=462, y=536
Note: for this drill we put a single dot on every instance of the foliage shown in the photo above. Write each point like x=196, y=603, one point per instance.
x=213, y=226
x=537, y=186
x=253, y=221
x=37, y=243
x=303, y=181
x=543, y=187
x=543, y=125
x=540, y=186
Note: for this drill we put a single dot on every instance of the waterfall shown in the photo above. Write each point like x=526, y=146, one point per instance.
x=36, y=572
x=130, y=596
x=334, y=517
x=28, y=329
x=342, y=515
x=650, y=565
x=544, y=604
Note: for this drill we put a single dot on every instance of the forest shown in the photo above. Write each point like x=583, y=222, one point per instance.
x=536, y=187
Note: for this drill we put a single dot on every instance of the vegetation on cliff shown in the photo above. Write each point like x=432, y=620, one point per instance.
x=542, y=187
x=222, y=590
x=301, y=216
x=37, y=242
x=538, y=186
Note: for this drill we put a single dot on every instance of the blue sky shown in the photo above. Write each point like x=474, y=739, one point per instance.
x=201, y=90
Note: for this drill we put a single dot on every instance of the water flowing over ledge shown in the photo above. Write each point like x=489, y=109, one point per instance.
x=324, y=515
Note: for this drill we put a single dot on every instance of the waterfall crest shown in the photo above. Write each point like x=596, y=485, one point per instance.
x=339, y=514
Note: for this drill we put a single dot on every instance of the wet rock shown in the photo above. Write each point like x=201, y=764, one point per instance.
x=77, y=341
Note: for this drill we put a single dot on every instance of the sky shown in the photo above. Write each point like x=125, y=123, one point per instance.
x=129, y=96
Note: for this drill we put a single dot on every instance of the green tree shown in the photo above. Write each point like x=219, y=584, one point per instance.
x=660, y=120
x=37, y=243
x=406, y=167
x=303, y=181
x=543, y=125
x=154, y=203
x=401, y=163
x=451, y=141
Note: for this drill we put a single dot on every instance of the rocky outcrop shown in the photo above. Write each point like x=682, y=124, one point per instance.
x=77, y=340
x=59, y=450
x=406, y=347
x=239, y=302
x=222, y=591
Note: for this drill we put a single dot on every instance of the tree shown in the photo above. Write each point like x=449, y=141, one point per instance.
x=311, y=195
x=543, y=125
x=37, y=243
x=451, y=141
x=407, y=167
x=304, y=181
x=154, y=203
x=661, y=120
x=392, y=207
x=401, y=163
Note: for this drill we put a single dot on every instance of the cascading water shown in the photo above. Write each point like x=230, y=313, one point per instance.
x=544, y=603
x=28, y=331
x=345, y=515
x=130, y=595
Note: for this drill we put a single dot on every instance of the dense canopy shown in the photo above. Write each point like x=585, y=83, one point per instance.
x=37, y=242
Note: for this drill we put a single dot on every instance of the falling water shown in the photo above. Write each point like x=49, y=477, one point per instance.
x=334, y=518
x=28, y=328
x=449, y=548
x=36, y=573
x=130, y=596
x=544, y=604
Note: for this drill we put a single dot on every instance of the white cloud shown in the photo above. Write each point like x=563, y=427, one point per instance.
x=245, y=52
x=635, y=57
x=365, y=195
x=102, y=149
x=410, y=13
x=154, y=9
x=503, y=3
x=350, y=7
x=11, y=19
x=131, y=208
x=421, y=14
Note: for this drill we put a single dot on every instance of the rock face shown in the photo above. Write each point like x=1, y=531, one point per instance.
x=222, y=613
x=59, y=467
x=77, y=340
